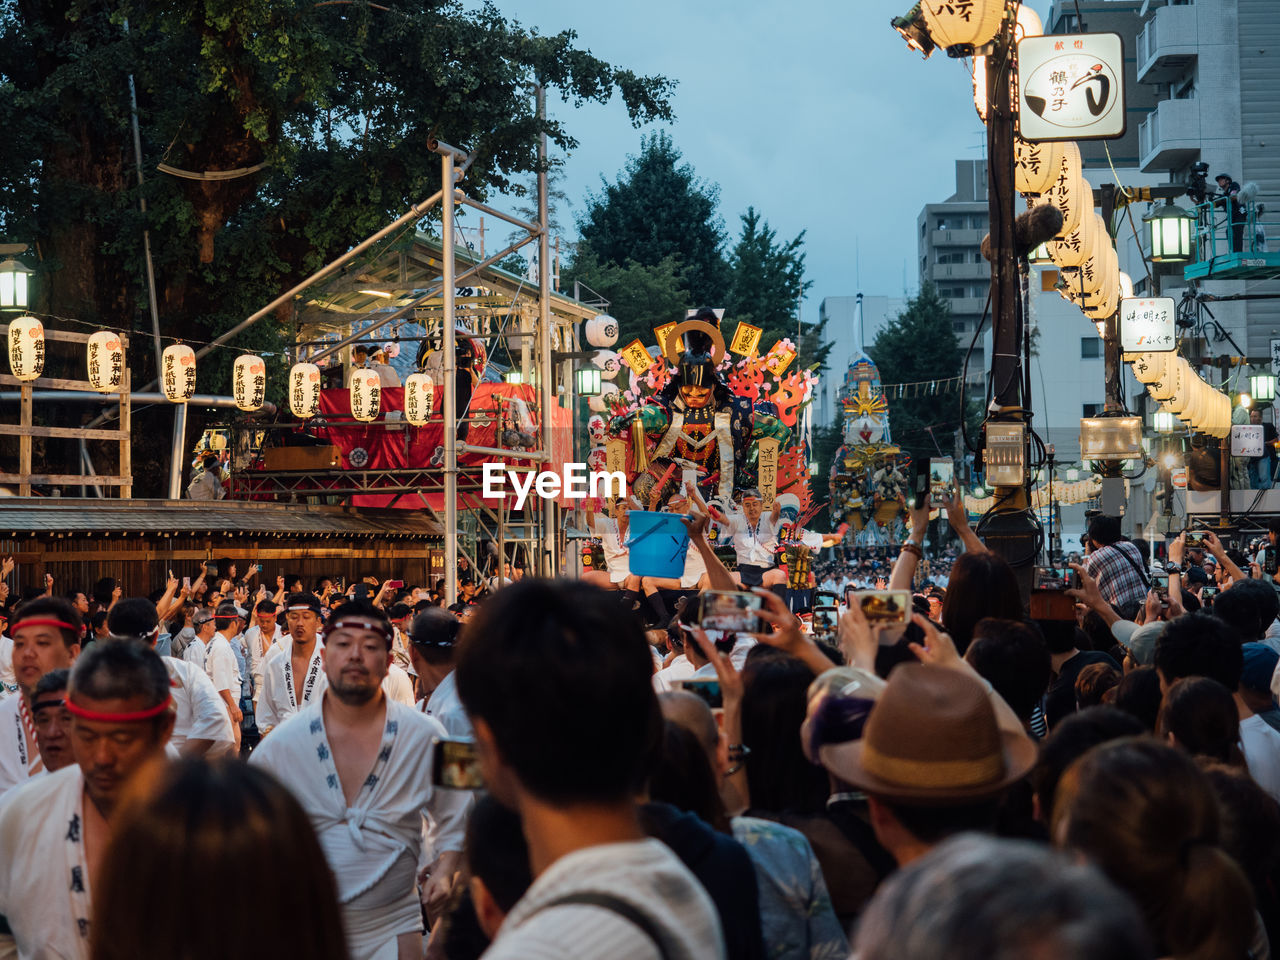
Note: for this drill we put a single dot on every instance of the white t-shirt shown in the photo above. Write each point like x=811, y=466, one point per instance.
x=200, y=714
x=679, y=669
x=753, y=542
x=615, y=552
x=8, y=682
x=220, y=664
x=1261, y=745
x=646, y=875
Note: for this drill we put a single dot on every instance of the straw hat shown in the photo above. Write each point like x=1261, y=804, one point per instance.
x=932, y=739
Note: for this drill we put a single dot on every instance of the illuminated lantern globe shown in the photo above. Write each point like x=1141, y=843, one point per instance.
x=178, y=373
x=26, y=348
x=105, y=361
x=304, y=390
x=962, y=24
x=419, y=398
x=249, y=382
x=366, y=395
x=1035, y=165
x=601, y=331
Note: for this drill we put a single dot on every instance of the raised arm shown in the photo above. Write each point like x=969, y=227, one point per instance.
x=958, y=517
x=904, y=568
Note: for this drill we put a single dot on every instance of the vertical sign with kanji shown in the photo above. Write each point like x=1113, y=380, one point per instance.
x=1275, y=357
x=768, y=470
x=636, y=356
x=746, y=339
x=615, y=455
x=1147, y=325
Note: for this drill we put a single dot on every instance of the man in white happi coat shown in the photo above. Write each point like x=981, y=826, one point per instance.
x=201, y=722
x=433, y=639
x=46, y=636
x=8, y=683
x=260, y=639
x=55, y=829
x=205, y=626
x=360, y=765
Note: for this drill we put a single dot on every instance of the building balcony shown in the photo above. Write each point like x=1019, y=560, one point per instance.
x=963, y=307
x=1170, y=136
x=939, y=272
x=1167, y=45
x=957, y=238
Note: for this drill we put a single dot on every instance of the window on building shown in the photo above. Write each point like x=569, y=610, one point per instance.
x=1091, y=410
x=952, y=256
x=1090, y=348
x=959, y=326
x=924, y=229
x=951, y=293
x=1183, y=89
x=978, y=223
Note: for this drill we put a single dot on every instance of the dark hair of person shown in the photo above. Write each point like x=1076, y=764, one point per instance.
x=981, y=585
x=1139, y=696
x=102, y=591
x=1013, y=657
x=1201, y=714
x=99, y=619
x=564, y=684
x=1249, y=607
x=1093, y=682
x=780, y=779
x=1250, y=833
x=682, y=777
x=133, y=617
x=120, y=671
x=1062, y=636
x=1104, y=530
x=1071, y=739
x=51, y=682
x=52, y=608
x=497, y=853
x=1096, y=632
x=221, y=822
x=934, y=823
x=433, y=635
x=1145, y=813
x=365, y=609
x=1199, y=645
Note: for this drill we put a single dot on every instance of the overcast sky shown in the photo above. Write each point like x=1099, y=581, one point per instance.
x=813, y=111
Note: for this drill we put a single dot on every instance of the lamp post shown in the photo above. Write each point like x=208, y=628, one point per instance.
x=1170, y=233
x=14, y=285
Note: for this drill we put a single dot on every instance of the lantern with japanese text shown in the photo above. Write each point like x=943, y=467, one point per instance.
x=419, y=398
x=304, y=390
x=26, y=348
x=1149, y=367
x=600, y=402
x=1075, y=247
x=366, y=395
x=962, y=23
x=1036, y=165
x=597, y=460
x=178, y=373
x=249, y=382
x=105, y=361
x=609, y=362
x=601, y=331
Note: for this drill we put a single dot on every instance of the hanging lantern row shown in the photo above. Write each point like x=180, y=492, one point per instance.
x=1181, y=391
x=178, y=373
x=249, y=382
x=419, y=398
x=26, y=348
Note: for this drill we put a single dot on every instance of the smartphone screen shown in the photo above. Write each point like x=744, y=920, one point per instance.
x=942, y=478
x=825, y=619
x=1160, y=584
x=891, y=609
x=455, y=764
x=707, y=690
x=729, y=611
x=1195, y=536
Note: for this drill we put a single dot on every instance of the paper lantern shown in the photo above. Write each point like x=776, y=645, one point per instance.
x=600, y=402
x=1149, y=367
x=1036, y=165
x=1126, y=285
x=419, y=398
x=178, y=373
x=366, y=395
x=1076, y=247
x=304, y=390
x=105, y=361
x=596, y=429
x=249, y=382
x=970, y=23
x=26, y=348
x=1171, y=386
x=601, y=331
x=609, y=362
x=597, y=460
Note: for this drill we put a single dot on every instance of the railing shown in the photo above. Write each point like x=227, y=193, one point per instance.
x=1214, y=228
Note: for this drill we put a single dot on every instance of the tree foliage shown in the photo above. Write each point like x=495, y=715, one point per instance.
x=916, y=346
x=641, y=296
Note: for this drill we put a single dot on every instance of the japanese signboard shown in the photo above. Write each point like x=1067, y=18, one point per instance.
x=768, y=470
x=615, y=455
x=636, y=356
x=1146, y=324
x=779, y=359
x=1072, y=87
x=1246, y=440
x=1275, y=357
x=745, y=340
x=661, y=333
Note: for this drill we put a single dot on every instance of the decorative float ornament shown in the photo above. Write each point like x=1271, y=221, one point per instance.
x=609, y=362
x=26, y=348
x=178, y=373
x=600, y=402
x=601, y=331
x=366, y=395
x=419, y=398
x=105, y=361
x=249, y=382
x=304, y=390
x=973, y=23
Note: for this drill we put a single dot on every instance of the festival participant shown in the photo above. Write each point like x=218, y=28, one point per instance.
x=46, y=636
x=8, y=682
x=220, y=665
x=292, y=672
x=433, y=647
x=694, y=576
x=611, y=528
x=205, y=626
x=570, y=752
x=53, y=831
x=360, y=765
x=201, y=722
x=53, y=720
x=260, y=639
x=754, y=540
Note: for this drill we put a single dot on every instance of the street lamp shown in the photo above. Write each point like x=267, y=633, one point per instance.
x=1164, y=421
x=13, y=285
x=1170, y=228
x=588, y=381
x=1263, y=387
x=1040, y=254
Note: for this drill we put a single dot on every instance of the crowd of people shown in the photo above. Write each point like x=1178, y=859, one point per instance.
x=576, y=768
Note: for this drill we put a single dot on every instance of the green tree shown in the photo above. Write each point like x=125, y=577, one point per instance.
x=656, y=209
x=766, y=285
x=641, y=296
x=307, y=126
x=920, y=345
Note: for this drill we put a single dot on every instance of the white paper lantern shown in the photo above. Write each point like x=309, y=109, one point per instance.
x=1036, y=165
x=105, y=359
x=366, y=395
x=965, y=23
x=419, y=398
x=26, y=348
x=596, y=429
x=1126, y=285
x=178, y=373
x=609, y=362
x=249, y=381
x=1077, y=246
x=1149, y=367
x=601, y=331
x=304, y=390
x=600, y=402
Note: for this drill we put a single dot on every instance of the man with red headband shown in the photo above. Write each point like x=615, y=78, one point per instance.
x=54, y=830
x=46, y=636
x=292, y=671
x=360, y=765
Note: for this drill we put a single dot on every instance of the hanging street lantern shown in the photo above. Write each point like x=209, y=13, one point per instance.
x=1170, y=228
x=26, y=348
x=249, y=382
x=105, y=361
x=588, y=381
x=178, y=373
x=1263, y=387
x=304, y=390
x=609, y=362
x=366, y=395
x=419, y=398
x=13, y=285
x=601, y=331
x=959, y=27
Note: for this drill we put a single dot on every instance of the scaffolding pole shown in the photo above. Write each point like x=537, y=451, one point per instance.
x=547, y=564
x=450, y=386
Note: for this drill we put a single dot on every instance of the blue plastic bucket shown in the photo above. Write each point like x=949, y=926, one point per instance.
x=658, y=543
